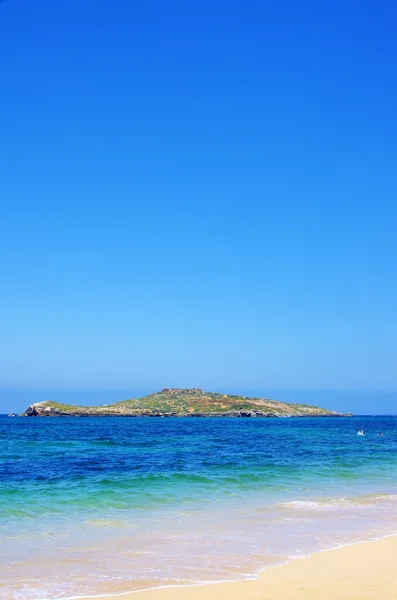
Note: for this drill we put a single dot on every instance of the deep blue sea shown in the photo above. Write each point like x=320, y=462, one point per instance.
x=99, y=505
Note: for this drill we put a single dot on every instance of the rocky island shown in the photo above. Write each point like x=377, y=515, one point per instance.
x=175, y=402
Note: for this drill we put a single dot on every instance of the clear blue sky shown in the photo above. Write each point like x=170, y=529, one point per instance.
x=198, y=194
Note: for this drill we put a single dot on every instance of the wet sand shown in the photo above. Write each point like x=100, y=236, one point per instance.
x=366, y=571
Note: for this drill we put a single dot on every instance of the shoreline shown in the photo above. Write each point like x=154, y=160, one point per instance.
x=359, y=570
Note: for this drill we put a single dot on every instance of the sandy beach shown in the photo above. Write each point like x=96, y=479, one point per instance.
x=366, y=571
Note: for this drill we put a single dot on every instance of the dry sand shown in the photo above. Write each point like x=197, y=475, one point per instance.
x=365, y=571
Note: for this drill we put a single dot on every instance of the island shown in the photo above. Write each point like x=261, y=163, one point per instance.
x=175, y=402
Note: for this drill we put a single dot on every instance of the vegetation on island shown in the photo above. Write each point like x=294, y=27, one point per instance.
x=177, y=402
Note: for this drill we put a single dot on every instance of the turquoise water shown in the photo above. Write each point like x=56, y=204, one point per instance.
x=93, y=506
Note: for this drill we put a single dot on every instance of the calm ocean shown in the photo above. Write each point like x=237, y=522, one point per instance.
x=93, y=506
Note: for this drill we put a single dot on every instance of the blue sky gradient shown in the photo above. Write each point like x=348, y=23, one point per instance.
x=198, y=194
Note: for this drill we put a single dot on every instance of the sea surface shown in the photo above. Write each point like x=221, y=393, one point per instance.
x=100, y=505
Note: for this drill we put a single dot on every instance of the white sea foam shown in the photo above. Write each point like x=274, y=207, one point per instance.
x=340, y=503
